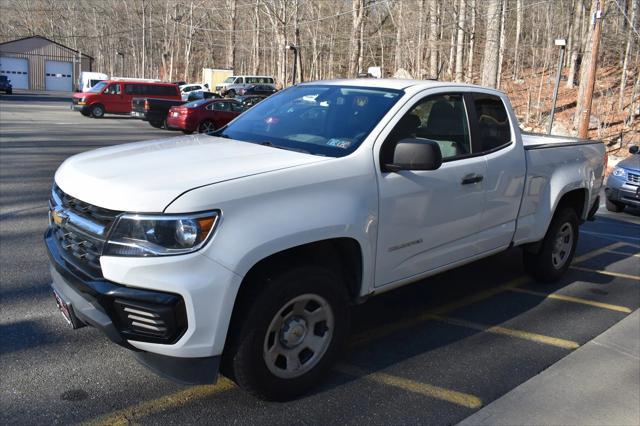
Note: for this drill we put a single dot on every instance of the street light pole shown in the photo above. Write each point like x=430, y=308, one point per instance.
x=295, y=61
x=562, y=43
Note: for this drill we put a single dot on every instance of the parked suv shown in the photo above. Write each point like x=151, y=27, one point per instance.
x=187, y=89
x=623, y=184
x=5, y=85
x=236, y=85
x=115, y=96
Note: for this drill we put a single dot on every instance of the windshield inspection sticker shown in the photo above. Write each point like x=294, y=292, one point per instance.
x=339, y=143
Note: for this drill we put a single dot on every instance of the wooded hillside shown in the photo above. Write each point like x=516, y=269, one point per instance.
x=502, y=43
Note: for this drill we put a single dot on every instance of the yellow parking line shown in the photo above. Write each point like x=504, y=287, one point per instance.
x=603, y=272
x=454, y=397
x=136, y=412
x=534, y=337
x=388, y=329
x=573, y=300
x=598, y=252
x=625, y=254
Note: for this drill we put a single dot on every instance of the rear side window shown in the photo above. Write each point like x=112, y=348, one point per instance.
x=133, y=89
x=220, y=106
x=157, y=90
x=492, y=120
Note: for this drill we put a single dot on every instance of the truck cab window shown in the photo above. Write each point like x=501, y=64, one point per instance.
x=112, y=89
x=441, y=118
x=493, y=121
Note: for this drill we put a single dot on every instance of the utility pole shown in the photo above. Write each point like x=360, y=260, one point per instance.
x=583, y=126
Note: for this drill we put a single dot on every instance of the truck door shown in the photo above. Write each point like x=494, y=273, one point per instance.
x=429, y=219
x=113, y=101
x=506, y=168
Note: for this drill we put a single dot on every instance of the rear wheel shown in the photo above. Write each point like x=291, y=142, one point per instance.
x=157, y=124
x=187, y=132
x=291, y=334
x=557, y=250
x=97, y=111
x=85, y=113
x=613, y=206
x=207, y=127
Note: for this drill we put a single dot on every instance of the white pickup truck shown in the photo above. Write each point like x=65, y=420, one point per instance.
x=243, y=250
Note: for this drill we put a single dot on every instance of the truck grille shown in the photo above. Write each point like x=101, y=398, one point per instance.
x=633, y=178
x=80, y=230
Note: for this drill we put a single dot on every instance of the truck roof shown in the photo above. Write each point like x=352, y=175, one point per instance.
x=397, y=84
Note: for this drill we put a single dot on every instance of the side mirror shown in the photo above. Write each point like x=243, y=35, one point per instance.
x=415, y=154
x=633, y=149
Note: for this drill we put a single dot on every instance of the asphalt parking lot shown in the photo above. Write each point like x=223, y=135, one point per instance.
x=434, y=352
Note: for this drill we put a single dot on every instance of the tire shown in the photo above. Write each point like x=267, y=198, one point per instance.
x=557, y=250
x=206, y=127
x=157, y=124
x=85, y=113
x=187, y=132
x=97, y=111
x=276, y=321
x=613, y=206
x=231, y=94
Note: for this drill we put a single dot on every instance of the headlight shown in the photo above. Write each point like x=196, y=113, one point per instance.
x=618, y=171
x=160, y=235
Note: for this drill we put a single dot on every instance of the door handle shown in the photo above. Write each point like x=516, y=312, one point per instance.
x=471, y=178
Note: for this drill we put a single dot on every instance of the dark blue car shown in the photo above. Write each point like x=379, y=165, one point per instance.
x=623, y=184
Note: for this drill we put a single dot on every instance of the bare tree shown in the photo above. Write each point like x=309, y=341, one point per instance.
x=491, y=47
x=433, y=38
x=460, y=41
x=357, y=27
x=627, y=51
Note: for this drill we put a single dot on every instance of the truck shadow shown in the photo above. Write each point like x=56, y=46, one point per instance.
x=394, y=330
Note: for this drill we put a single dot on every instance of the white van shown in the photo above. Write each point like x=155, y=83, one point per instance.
x=89, y=79
x=236, y=84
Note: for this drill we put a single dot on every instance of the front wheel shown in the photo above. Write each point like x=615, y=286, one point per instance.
x=613, y=206
x=231, y=94
x=97, y=111
x=557, y=250
x=291, y=334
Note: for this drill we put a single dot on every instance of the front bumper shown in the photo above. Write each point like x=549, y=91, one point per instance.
x=623, y=192
x=99, y=303
x=81, y=108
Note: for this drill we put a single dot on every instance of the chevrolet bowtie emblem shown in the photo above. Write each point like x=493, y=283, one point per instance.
x=59, y=217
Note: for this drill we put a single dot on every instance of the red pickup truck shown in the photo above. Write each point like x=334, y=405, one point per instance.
x=115, y=96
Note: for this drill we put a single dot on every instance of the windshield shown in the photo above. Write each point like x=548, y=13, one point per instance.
x=196, y=104
x=319, y=119
x=98, y=87
x=229, y=80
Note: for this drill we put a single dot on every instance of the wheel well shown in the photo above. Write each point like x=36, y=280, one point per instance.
x=341, y=255
x=574, y=199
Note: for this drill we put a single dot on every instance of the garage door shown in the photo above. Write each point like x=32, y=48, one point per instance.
x=57, y=76
x=16, y=70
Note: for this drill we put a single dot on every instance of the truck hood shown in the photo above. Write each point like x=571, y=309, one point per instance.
x=148, y=176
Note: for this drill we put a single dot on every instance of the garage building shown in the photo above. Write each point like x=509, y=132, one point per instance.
x=37, y=63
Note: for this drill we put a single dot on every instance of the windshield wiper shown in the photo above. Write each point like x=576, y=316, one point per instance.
x=270, y=144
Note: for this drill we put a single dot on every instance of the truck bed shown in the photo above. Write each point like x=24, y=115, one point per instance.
x=540, y=141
